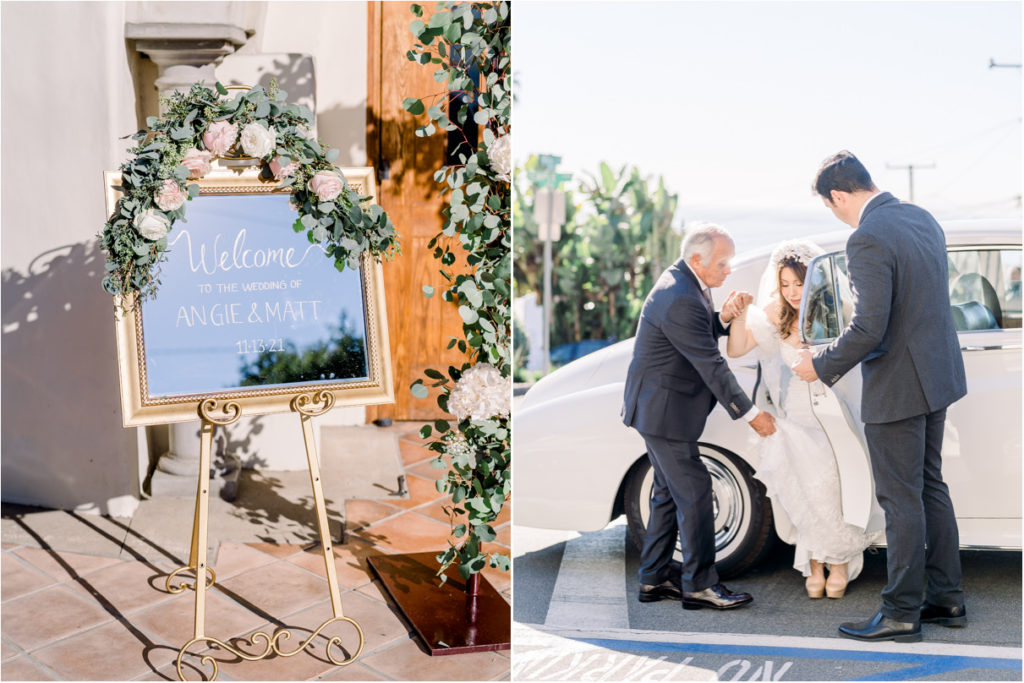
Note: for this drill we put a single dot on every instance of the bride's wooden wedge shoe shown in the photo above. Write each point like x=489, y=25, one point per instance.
x=835, y=587
x=815, y=583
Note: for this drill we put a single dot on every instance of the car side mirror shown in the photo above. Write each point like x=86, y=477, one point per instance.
x=826, y=305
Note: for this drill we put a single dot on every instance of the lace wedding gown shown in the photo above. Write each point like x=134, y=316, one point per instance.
x=797, y=466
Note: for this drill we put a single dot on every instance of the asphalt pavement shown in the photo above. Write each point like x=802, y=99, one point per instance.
x=577, y=618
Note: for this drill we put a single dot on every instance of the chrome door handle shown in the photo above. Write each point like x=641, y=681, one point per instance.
x=1008, y=347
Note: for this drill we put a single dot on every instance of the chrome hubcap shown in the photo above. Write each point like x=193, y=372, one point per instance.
x=726, y=499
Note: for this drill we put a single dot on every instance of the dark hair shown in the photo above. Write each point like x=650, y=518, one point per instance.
x=787, y=314
x=844, y=172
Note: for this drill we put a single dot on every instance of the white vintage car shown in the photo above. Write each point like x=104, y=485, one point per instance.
x=577, y=466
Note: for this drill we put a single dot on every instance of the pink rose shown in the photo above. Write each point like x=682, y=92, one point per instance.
x=326, y=185
x=170, y=196
x=220, y=136
x=280, y=171
x=197, y=162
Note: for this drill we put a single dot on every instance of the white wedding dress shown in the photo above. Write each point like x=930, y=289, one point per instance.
x=797, y=466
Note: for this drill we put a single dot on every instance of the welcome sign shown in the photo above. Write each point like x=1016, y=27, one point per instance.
x=249, y=310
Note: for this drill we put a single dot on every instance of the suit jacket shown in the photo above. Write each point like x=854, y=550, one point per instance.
x=677, y=372
x=902, y=328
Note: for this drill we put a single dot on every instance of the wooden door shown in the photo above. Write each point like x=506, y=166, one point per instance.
x=420, y=328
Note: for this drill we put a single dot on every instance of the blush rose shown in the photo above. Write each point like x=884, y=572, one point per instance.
x=170, y=196
x=326, y=185
x=197, y=162
x=220, y=136
x=280, y=171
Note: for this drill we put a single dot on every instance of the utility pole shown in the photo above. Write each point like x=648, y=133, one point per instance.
x=910, y=172
x=549, y=212
x=992, y=65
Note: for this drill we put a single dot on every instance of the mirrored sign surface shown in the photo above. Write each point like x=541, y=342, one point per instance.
x=245, y=302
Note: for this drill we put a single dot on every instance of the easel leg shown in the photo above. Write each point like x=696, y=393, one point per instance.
x=192, y=555
x=321, y=513
x=198, y=554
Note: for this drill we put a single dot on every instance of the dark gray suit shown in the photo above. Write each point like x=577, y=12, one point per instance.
x=902, y=330
x=676, y=375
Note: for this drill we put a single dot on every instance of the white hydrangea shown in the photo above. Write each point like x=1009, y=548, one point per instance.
x=480, y=394
x=500, y=154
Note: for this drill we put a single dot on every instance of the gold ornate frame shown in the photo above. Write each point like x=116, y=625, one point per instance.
x=138, y=408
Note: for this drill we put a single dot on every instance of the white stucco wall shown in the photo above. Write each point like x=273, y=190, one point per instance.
x=334, y=33
x=64, y=111
x=67, y=96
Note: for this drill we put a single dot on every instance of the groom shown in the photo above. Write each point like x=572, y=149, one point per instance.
x=676, y=376
x=902, y=331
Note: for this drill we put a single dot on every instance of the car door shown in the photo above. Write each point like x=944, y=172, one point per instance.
x=982, y=446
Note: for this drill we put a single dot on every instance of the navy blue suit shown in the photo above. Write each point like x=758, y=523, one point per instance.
x=676, y=377
x=902, y=329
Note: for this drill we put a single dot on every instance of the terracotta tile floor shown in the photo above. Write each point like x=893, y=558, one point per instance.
x=72, y=616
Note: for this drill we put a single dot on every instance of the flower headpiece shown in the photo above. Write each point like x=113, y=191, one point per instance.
x=801, y=250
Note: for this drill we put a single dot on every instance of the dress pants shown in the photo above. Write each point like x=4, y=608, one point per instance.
x=920, y=527
x=681, y=507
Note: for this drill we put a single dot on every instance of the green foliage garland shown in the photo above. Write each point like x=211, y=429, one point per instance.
x=461, y=39
x=345, y=225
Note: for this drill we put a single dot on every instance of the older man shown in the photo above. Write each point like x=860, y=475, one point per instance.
x=676, y=376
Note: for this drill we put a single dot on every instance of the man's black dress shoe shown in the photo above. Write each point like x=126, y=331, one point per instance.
x=954, y=617
x=881, y=627
x=666, y=590
x=715, y=597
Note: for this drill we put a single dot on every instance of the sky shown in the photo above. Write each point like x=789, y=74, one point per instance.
x=737, y=103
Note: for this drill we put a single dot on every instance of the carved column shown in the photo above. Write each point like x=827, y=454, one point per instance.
x=184, y=53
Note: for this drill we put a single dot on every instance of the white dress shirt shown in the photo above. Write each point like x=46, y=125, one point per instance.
x=865, y=205
x=752, y=413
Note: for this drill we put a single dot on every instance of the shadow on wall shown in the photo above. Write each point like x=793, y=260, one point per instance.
x=341, y=127
x=63, y=443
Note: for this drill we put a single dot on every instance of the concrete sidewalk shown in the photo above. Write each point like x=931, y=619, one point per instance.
x=83, y=596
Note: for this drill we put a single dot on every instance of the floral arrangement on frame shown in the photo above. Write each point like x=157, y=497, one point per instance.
x=259, y=125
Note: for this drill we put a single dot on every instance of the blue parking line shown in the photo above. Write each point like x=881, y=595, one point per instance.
x=946, y=665
x=920, y=665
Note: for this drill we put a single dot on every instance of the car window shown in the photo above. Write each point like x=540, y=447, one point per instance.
x=821, y=319
x=985, y=288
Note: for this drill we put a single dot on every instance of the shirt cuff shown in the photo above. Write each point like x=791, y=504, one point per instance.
x=724, y=324
x=750, y=414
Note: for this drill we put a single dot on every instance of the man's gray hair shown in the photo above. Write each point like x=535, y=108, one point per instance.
x=700, y=239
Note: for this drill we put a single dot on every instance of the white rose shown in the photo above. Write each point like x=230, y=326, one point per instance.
x=151, y=224
x=258, y=141
x=500, y=154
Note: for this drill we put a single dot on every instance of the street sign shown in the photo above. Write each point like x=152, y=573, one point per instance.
x=549, y=212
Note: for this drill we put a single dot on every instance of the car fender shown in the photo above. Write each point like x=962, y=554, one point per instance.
x=571, y=454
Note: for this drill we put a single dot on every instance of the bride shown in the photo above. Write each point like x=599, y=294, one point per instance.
x=797, y=466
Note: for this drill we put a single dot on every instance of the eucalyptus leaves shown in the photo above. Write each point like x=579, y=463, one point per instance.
x=471, y=44
x=203, y=124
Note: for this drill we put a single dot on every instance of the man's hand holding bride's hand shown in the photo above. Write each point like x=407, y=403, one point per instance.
x=735, y=305
x=804, y=368
x=763, y=424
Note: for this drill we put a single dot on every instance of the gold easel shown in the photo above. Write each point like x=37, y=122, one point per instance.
x=307, y=406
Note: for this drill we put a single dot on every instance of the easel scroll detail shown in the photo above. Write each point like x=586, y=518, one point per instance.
x=309, y=404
